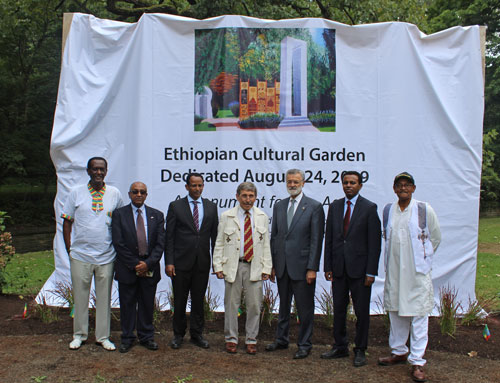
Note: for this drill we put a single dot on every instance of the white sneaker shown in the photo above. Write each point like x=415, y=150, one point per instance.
x=107, y=345
x=75, y=344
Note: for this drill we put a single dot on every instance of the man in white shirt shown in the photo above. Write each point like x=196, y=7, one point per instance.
x=412, y=235
x=242, y=256
x=87, y=236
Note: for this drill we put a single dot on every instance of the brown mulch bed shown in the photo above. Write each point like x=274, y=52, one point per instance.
x=31, y=350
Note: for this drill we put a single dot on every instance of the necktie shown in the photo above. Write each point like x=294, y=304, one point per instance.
x=196, y=218
x=141, y=234
x=347, y=217
x=248, y=249
x=289, y=214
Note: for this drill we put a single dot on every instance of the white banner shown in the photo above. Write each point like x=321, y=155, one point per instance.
x=168, y=95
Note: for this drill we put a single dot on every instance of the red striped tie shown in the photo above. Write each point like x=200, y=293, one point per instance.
x=248, y=254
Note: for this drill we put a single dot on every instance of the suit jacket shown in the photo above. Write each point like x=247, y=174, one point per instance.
x=297, y=248
x=356, y=252
x=124, y=236
x=184, y=245
x=227, y=245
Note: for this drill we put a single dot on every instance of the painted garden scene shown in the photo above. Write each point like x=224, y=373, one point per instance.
x=275, y=78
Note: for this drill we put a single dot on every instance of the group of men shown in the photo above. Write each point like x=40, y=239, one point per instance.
x=240, y=249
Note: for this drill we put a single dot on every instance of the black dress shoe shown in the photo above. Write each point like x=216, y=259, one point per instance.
x=125, y=347
x=335, y=353
x=150, y=345
x=359, y=358
x=276, y=346
x=200, y=342
x=176, y=342
x=301, y=353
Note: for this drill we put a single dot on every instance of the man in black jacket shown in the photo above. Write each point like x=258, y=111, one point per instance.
x=191, y=233
x=352, y=250
x=138, y=238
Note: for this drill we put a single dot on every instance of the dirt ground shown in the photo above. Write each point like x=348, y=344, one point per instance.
x=33, y=351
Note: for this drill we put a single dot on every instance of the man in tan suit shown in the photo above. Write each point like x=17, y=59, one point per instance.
x=242, y=257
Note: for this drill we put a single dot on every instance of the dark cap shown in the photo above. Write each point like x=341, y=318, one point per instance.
x=406, y=176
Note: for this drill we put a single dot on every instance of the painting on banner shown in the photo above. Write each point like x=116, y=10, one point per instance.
x=265, y=78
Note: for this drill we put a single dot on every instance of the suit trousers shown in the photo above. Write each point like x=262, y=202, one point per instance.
x=360, y=295
x=401, y=327
x=136, y=309
x=232, y=301
x=194, y=281
x=304, y=300
x=81, y=279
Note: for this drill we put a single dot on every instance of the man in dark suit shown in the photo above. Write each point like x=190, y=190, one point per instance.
x=296, y=242
x=191, y=233
x=352, y=250
x=139, y=239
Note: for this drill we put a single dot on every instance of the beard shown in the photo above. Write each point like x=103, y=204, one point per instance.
x=294, y=192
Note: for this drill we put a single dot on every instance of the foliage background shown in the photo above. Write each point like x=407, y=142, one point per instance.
x=30, y=46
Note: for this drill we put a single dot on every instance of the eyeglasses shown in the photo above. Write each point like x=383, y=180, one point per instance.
x=403, y=186
x=143, y=192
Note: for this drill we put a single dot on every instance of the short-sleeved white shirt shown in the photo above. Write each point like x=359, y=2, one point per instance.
x=91, y=230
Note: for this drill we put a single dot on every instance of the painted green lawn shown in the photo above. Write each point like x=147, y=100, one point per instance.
x=204, y=127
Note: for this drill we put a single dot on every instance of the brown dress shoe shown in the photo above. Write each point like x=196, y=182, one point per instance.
x=392, y=360
x=251, y=349
x=231, y=347
x=417, y=374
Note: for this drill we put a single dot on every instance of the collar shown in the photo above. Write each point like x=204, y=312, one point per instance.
x=353, y=200
x=190, y=199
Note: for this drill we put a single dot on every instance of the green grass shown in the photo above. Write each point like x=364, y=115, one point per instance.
x=327, y=129
x=26, y=273
x=204, y=127
x=489, y=230
x=222, y=113
x=488, y=279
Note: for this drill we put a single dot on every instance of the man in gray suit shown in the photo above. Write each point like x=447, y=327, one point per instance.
x=296, y=241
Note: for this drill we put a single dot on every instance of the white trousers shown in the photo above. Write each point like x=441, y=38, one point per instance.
x=232, y=300
x=81, y=278
x=416, y=327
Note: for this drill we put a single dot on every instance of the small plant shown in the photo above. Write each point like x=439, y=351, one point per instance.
x=325, y=301
x=7, y=251
x=351, y=315
x=380, y=304
x=261, y=121
x=323, y=118
x=64, y=291
x=99, y=379
x=210, y=304
x=157, y=311
x=38, y=379
x=183, y=380
x=268, y=304
x=46, y=313
x=170, y=298
x=235, y=108
x=448, y=307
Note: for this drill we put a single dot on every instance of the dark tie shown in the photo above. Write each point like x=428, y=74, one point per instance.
x=347, y=217
x=196, y=217
x=289, y=214
x=141, y=234
x=248, y=249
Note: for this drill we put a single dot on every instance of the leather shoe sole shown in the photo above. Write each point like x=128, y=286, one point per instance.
x=392, y=360
x=276, y=346
x=231, y=347
x=359, y=359
x=150, y=345
x=335, y=354
x=301, y=354
x=176, y=343
x=200, y=342
x=251, y=349
x=125, y=347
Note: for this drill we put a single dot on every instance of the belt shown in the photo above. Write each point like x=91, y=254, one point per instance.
x=242, y=260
